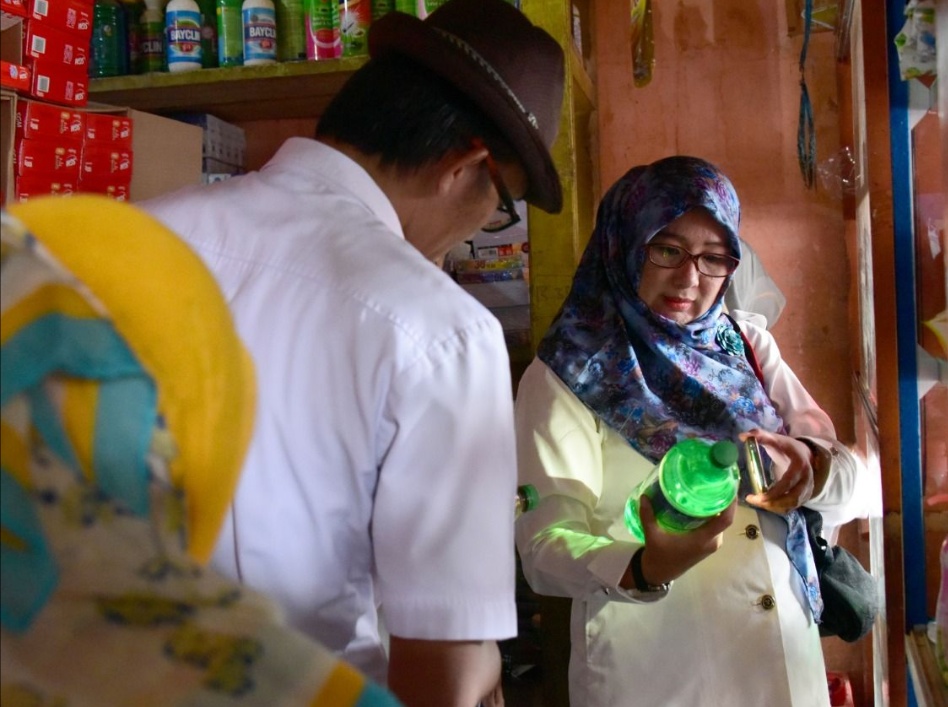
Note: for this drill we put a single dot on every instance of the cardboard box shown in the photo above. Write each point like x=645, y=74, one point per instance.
x=167, y=153
x=7, y=131
x=44, y=41
x=48, y=157
x=224, y=143
x=70, y=15
x=102, y=128
x=14, y=7
x=58, y=83
x=36, y=120
x=106, y=162
x=30, y=186
x=16, y=77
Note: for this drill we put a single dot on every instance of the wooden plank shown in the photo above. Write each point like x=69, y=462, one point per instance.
x=287, y=90
x=927, y=680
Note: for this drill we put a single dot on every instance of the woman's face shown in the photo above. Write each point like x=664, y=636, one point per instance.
x=683, y=294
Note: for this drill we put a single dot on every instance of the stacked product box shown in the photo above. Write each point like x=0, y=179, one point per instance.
x=498, y=276
x=46, y=48
x=225, y=145
x=47, y=148
x=61, y=150
x=107, y=155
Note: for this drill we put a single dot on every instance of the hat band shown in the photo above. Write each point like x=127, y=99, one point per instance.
x=471, y=52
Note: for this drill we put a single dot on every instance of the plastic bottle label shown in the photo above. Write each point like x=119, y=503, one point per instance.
x=323, y=40
x=183, y=37
x=291, y=31
x=151, y=51
x=260, y=34
x=354, y=21
x=230, y=33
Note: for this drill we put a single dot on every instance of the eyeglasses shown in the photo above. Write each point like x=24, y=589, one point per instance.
x=508, y=211
x=673, y=256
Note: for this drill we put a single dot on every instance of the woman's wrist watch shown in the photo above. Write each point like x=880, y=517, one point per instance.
x=641, y=584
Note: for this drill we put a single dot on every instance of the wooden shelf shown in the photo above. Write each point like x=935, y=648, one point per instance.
x=930, y=688
x=287, y=90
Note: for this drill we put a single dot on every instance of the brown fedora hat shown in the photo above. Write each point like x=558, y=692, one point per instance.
x=511, y=69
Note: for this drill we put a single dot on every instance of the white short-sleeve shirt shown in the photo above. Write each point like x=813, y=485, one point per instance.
x=382, y=468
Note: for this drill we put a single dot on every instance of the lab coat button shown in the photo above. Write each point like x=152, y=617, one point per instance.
x=767, y=602
x=751, y=531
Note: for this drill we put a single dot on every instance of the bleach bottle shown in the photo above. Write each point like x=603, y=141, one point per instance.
x=694, y=481
x=260, y=32
x=183, y=35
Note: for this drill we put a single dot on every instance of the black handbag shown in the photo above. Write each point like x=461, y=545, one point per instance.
x=850, y=593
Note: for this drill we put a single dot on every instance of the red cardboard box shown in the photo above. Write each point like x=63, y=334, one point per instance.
x=14, y=7
x=102, y=128
x=45, y=41
x=73, y=15
x=106, y=162
x=15, y=76
x=54, y=81
x=117, y=190
x=48, y=157
x=33, y=185
x=39, y=121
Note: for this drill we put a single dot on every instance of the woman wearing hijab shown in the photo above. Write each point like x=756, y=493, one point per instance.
x=127, y=405
x=640, y=356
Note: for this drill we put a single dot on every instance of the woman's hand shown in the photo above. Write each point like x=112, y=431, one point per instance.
x=793, y=471
x=667, y=556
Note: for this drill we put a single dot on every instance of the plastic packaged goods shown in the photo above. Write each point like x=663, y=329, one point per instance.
x=183, y=35
x=323, y=30
x=291, y=30
x=151, y=33
x=230, y=33
x=355, y=17
x=260, y=32
x=109, y=40
x=694, y=481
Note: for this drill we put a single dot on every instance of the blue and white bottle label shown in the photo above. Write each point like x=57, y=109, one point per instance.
x=183, y=35
x=260, y=34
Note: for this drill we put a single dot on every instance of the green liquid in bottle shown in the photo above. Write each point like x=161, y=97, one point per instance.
x=695, y=480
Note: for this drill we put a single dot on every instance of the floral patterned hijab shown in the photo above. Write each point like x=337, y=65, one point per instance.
x=651, y=379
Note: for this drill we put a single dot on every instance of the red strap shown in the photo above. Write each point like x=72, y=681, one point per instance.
x=750, y=353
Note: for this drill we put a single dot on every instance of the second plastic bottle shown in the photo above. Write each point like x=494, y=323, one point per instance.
x=694, y=481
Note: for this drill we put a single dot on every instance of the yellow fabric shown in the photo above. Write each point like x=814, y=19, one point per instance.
x=133, y=265
x=342, y=687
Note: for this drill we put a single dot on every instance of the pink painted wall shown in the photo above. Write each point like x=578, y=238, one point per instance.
x=725, y=87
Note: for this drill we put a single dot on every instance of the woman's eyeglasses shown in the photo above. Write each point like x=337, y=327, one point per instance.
x=508, y=211
x=673, y=256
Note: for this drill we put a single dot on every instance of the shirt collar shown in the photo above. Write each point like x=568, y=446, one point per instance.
x=328, y=165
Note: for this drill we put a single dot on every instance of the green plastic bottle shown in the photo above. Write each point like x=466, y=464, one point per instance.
x=695, y=480
x=526, y=499
x=230, y=33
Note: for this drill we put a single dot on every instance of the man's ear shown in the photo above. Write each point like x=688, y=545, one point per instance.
x=459, y=169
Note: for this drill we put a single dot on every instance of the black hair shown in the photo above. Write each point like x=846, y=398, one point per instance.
x=409, y=117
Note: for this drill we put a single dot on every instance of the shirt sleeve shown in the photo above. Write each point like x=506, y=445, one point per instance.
x=559, y=451
x=443, y=518
x=839, y=500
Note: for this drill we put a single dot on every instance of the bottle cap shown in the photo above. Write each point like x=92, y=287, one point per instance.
x=530, y=496
x=724, y=453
